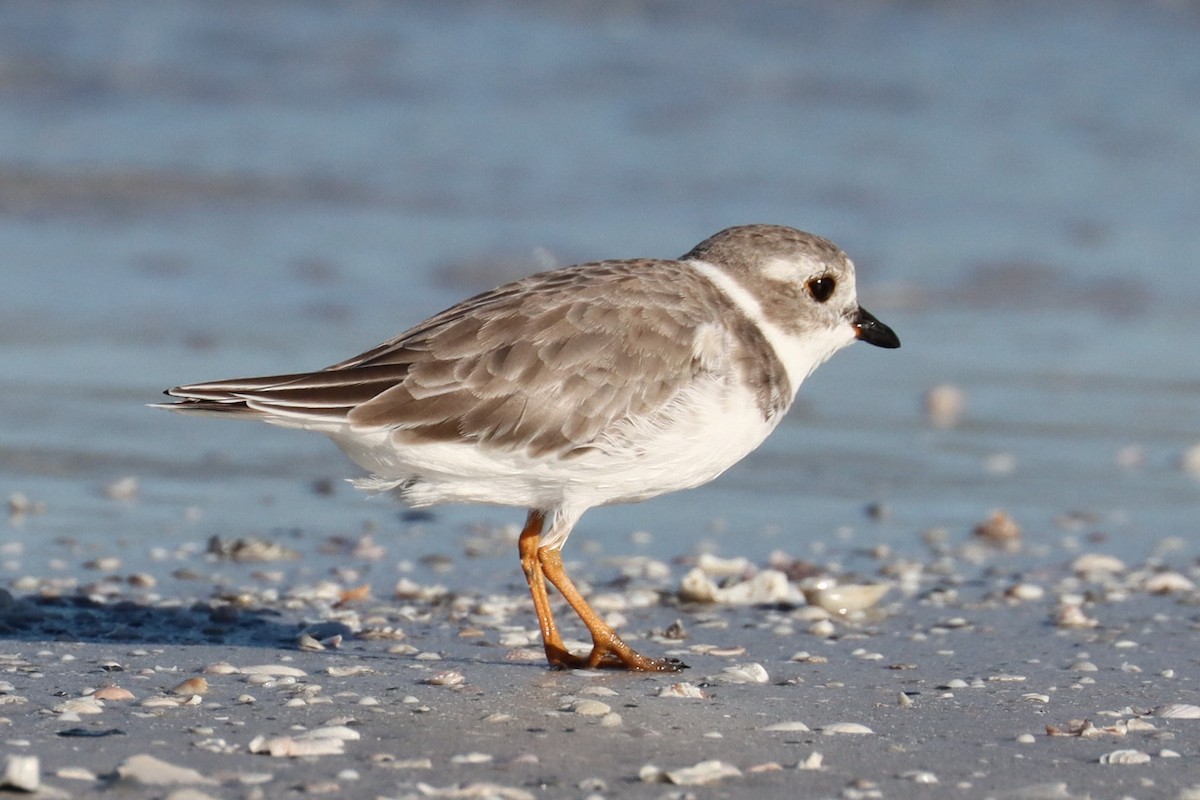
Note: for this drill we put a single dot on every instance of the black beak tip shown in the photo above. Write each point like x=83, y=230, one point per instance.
x=872, y=331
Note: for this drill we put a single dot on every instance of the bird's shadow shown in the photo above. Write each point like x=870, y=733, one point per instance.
x=80, y=618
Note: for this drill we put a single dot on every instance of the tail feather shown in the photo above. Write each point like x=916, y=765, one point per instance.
x=323, y=396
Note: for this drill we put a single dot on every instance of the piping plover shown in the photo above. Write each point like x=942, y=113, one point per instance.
x=607, y=382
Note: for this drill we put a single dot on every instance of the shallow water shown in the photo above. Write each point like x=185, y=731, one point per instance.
x=193, y=191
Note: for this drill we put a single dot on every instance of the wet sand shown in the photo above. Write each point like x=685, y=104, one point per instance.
x=980, y=673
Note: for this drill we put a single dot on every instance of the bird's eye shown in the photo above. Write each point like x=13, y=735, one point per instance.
x=821, y=289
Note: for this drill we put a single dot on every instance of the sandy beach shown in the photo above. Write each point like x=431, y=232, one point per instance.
x=962, y=569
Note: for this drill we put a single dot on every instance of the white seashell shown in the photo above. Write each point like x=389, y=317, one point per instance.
x=590, y=708
x=473, y=758
x=1178, y=711
x=152, y=771
x=1167, y=583
x=787, y=726
x=1025, y=591
x=76, y=774
x=220, y=668
x=1097, y=565
x=822, y=628
x=848, y=598
x=919, y=776
x=332, y=732
x=717, y=567
x=1125, y=757
x=308, y=643
x=23, y=773
x=703, y=773
x=765, y=588
x=851, y=728
x=651, y=774
x=277, y=670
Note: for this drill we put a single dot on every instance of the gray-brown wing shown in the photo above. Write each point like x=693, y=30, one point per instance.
x=547, y=364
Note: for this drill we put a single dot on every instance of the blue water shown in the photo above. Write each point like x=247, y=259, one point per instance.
x=201, y=190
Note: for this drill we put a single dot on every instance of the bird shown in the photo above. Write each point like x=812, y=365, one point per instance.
x=606, y=382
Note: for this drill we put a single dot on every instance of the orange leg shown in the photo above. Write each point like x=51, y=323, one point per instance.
x=527, y=545
x=543, y=563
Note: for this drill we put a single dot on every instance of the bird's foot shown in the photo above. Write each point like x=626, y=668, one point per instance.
x=612, y=655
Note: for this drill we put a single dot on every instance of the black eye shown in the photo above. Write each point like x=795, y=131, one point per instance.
x=821, y=289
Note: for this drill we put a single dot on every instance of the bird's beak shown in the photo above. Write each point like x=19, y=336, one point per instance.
x=872, y=331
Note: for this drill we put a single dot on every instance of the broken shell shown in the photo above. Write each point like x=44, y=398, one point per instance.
x=1000, y=530
x=448, y=677
x=1071, y=616
x=741, y=673
x=289, y=747
x=682, y=689
x=696, y=587
x=812, y=761
x=80, y=705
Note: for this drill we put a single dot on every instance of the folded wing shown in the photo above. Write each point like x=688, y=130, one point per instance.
x=542, y=365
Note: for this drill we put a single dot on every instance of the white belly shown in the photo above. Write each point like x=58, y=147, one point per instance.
x=704, y=433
